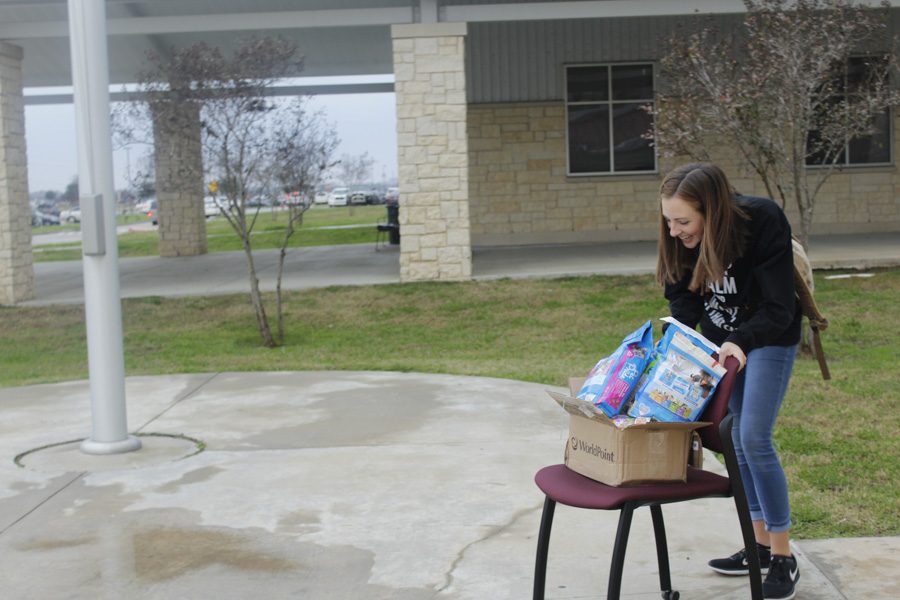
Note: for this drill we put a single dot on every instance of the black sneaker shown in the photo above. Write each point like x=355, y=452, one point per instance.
x=737, y=563
x=783, y=576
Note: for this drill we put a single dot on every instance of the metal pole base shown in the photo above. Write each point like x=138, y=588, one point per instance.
x=129, y=444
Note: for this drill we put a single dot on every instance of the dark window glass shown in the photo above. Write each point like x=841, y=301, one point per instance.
x=632, y=82
x=589, y=139
x=835, y=83
x=821, y=156
x=873, y=148
x=606, y=129
x=631, y=151
x=869, y=149
x=587, y=84
x=861, y=71
x=818, y=154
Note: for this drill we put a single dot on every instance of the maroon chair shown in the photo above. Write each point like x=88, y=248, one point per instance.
x=561, y=485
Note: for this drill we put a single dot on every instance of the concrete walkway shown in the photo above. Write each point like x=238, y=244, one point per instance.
x=360, y=264
x=344, y=485
x=340, y=486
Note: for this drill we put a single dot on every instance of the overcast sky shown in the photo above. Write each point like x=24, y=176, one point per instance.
x=364, y=123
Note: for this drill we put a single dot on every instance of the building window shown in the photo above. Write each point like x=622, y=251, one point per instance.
x=873, y=149
x=607, y=119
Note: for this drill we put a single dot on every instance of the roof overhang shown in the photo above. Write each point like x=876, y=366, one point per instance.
x=336, y=37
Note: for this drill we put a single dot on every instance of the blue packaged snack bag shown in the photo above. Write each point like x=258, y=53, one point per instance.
x=693, y=335
x=682, y=379
x=612, y=380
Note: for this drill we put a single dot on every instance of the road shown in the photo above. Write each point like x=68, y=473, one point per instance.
x=63, y=237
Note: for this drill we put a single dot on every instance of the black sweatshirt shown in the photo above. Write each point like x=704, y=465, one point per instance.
x=753, y=305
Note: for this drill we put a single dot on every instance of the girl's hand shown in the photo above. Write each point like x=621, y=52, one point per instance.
x=732, y=349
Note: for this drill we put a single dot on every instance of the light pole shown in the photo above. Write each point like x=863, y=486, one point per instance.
x=102, y=305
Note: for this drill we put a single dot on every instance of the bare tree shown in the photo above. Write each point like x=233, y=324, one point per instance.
x=71, y=192
x=303, y=149
x=355, y=169
x=792, y=87
x=143, y=178
x=243, y=133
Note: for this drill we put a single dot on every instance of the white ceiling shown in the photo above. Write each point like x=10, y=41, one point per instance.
x=336, y=37
x=346, y=37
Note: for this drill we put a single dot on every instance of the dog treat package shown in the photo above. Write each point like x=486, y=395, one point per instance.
x=681, y=379
x=624, y=421
x=612, y=380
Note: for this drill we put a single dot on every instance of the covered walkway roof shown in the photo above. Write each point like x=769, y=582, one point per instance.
x=338, y=37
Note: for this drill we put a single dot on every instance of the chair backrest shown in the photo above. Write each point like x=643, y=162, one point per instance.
x=718, y=407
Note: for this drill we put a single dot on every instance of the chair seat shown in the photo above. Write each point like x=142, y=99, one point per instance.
x=567, y=487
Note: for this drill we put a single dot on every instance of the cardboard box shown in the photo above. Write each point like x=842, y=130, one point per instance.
x=645, y=453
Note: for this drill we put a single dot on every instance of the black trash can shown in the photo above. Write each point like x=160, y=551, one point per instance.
x=393, y=219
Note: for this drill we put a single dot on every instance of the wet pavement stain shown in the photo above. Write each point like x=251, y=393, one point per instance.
x=164, y=554
x=355, y=418
x=300, y=523
x=49, y=544
x=195, y=476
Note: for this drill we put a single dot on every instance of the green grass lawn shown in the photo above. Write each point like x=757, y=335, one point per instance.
x=350, y=227
x=838, y=439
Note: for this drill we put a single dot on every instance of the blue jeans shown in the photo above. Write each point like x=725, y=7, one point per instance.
x=755, y=401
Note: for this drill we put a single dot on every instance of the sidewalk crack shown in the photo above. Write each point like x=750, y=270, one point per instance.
x=177, y=401
x=43, y=502
x=801, y=555
x=491, y=533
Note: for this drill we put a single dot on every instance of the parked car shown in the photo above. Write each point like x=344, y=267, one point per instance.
x=39, y=218
x=302, y=200
x=144, y=205
x=294, y=199
x=320, y=198
x=70, y=216
x=339, y=196
x=152, y=213
x=392, y=196
x=260, y=202
x=357, y=197
x=211, y=207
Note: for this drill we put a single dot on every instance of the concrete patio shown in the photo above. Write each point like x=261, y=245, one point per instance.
x=340, y=485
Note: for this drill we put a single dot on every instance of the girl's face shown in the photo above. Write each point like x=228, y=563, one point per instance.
x=683, y=221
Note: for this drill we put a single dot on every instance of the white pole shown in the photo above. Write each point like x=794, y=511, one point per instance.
x=102, y=305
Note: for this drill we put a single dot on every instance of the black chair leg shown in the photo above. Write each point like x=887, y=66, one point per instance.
x=743, y=509
x=618, y=558
x=540, y=563
x=662, y=549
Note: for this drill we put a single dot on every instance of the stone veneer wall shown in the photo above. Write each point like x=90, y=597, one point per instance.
x=16, y=258
x=179, y=184
x=520, y=193
x=430, y=87
x=855, y=200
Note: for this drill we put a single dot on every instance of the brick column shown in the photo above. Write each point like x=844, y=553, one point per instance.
x=430, y=86
x=16, y=259
x=179, y=180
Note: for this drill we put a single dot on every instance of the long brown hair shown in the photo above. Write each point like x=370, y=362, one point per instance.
x=706, y=188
